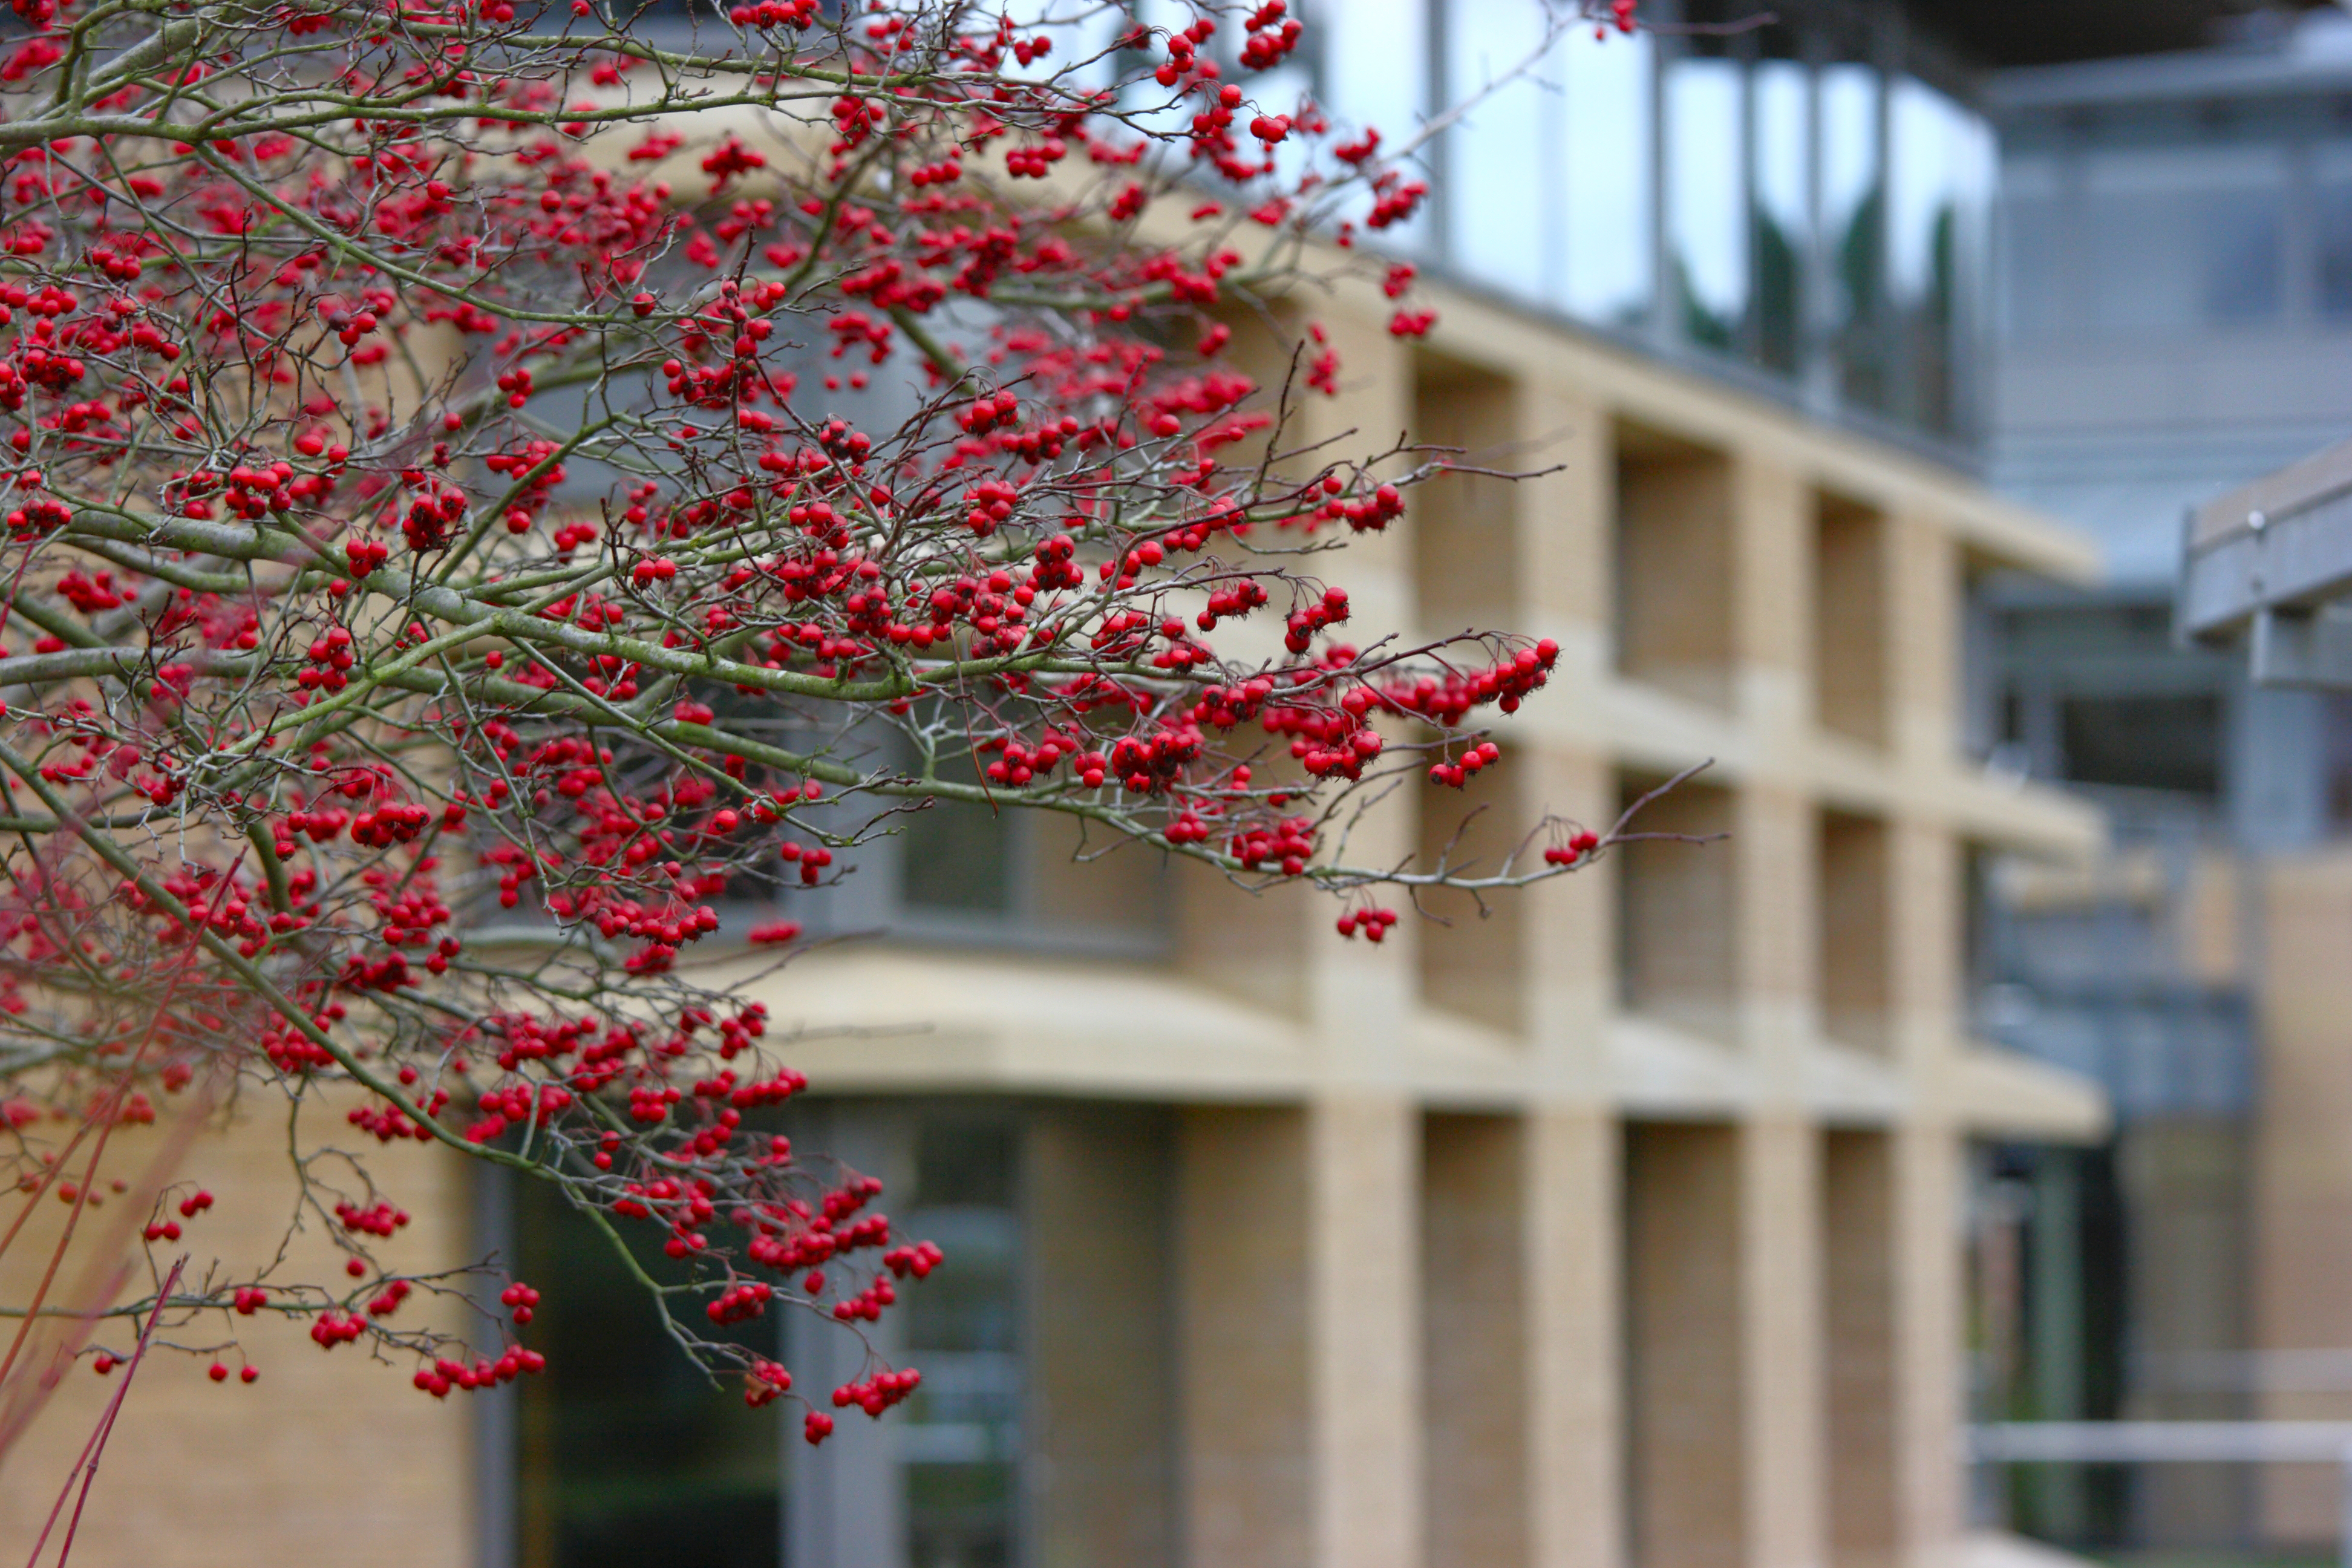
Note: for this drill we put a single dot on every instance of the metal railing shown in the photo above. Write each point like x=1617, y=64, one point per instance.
x=2174, y=1442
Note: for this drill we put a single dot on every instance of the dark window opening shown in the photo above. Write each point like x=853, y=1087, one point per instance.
x=2171, y=743
x=628, y=1455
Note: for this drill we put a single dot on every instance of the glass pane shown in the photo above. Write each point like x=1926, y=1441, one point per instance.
x=2032, y=251
x=1500, y=170
x=1608, y=260
x=1852, y=214
x=1706, y=201
x=1942, y=177
x=1783, y=157
x=2331, y=230
x=1374, y=71
x=954, y=855
x=2185, y=237
x=2144, y=743
x=962, y=1438
x=628, y=1455
x=2331, y=222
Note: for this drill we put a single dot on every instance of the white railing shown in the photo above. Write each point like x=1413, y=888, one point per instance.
x=2173, y=1442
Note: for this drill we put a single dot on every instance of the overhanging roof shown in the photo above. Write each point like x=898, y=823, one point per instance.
x=2056, y=32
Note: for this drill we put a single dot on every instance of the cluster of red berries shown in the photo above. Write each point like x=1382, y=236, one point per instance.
x=1578, y=846
x=1331, y=610
x=765, y=1382
x=876, y=1394
x=1456, y=774
x=443, y=1375
x=337, y=1328
x=378, y=1219
x=1289, y=845
x=739, y=1303
x=1272, y=35
x=1373, y=922
x=918, y=1259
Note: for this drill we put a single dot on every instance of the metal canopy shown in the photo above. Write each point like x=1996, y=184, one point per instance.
x=2271, y=564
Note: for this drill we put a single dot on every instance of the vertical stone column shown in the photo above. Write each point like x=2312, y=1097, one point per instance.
x=1571, y=1144
x=1773, y=600
x=1858, y=1274
x=1926, y=1334
x=1576, y=1486
x=1773, y=838
x=1099, y=1421
x=1246, y=1483
x=1924, y=579
x=1565, y=527
x=1363, y=1331
x=1780, y=1341
x=1476, y=1261
x=191, y=1466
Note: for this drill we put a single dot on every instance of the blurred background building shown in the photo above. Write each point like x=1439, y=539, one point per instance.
x=2174, y=312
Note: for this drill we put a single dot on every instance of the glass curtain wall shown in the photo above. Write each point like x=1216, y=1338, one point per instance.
x=1804, y=193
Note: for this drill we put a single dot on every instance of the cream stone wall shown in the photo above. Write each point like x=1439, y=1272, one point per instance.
x=328, y=1457
x=1532, y=1240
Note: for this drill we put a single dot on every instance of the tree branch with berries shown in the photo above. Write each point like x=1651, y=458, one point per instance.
x=486, y=486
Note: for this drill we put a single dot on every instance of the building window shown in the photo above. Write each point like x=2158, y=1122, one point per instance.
x=1677, y=931
x=966, y=872
x=1608, y=262
x=1853, y=216
x=2331, y=231
x=1942, y=166
x=1707, y=198
x=2033, y=259
x=626, y=1454
x=1781, y=202
x=2185, y=237
x=962, y=1446
x=2156, y=743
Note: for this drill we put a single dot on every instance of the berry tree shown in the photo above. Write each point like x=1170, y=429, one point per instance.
x=485, y=483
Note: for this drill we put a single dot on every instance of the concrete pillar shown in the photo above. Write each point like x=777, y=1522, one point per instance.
x=1772, y=575
x=1245, y=1484
x=1780, y=1335
x=1927, y=1342
x=1772, y=844
x=1099, y=1417
x=1475, y=1327
x=1364, y=1334
x=1576, y=1340
x=1565, y=559
x=1858, y=1290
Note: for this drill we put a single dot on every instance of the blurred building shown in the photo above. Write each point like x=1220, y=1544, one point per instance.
x=2174, y=319
x=1624, y=1223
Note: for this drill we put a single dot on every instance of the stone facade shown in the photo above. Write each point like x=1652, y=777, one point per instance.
x=1619, y=1227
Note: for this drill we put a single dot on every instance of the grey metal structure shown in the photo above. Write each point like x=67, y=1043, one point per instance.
x=2271, y=562
x=2173, y=1442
